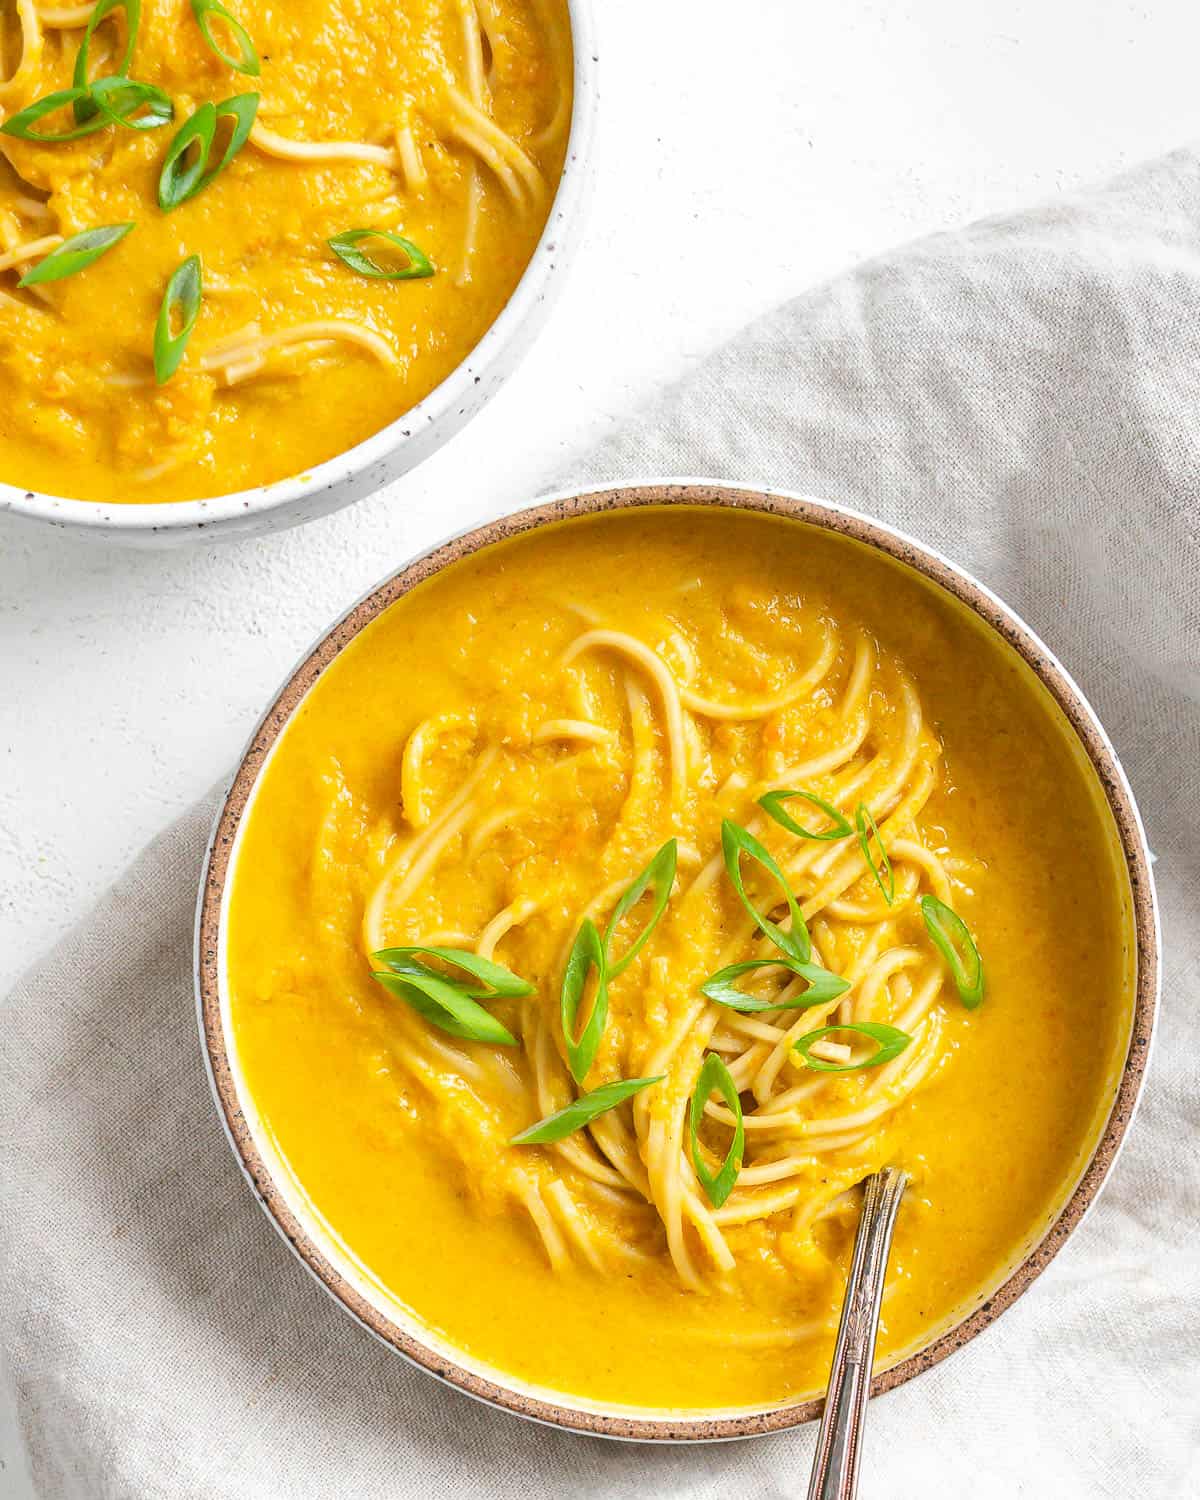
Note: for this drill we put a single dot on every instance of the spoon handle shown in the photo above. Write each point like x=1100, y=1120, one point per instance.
x=839, y=1442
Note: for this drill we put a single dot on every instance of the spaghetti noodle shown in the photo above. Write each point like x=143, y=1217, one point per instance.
x=886, y=758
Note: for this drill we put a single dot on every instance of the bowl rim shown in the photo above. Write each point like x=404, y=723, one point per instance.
x=451, y=403
x=825, y=515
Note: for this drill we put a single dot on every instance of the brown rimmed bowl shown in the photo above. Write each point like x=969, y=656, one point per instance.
x=333, y=1268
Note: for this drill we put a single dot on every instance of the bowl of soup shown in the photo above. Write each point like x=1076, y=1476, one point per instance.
x=258, y=260
x=615, y=888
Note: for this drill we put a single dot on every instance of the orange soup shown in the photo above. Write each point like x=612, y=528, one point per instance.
x=628, y=892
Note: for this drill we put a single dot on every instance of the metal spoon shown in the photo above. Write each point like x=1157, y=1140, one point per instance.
x=839, y=1442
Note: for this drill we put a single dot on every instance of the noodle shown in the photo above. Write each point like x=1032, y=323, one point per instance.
x=234, y=359
x=24, y=77
x=273, y=144
x=476, y=129
x=66, y=17
x=473, y=50
x=18, y=255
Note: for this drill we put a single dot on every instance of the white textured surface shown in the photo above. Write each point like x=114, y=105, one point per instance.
x=742, y=157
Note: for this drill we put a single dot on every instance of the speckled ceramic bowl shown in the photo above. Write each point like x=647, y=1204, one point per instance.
x=333, y=1268
x=414, y=436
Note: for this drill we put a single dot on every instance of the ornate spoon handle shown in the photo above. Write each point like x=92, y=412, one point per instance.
x=839, y=1442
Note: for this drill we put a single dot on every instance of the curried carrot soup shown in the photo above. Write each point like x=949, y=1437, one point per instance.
x=237, y=240
x=623, y=896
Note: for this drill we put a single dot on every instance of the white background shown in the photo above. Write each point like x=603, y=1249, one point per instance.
x=748, y=148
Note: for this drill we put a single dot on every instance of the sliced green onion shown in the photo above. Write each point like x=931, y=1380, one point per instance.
x=344, y=246
x=447, y=1006
x=112, y=100
x=582, y=1111
x=659, y=873
x=715, y=1075
x=183, y=297
x=892, y=1043
x=180, y=177
x=772, y=802
x=452, y=1004
x=946, y=928
x=248, y=62
x=117, y=98
x=85, y=109
x=736, y=841
x=587, y=953
x=882, y=872
x=822, y=985
x=20, y=124
x=185, y=174
x=75, y=254
x=590, y=951
x=498, y=980
x=242, y=109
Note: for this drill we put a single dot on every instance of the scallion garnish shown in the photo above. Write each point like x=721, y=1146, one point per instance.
x=75, y=254
x=946, y=928
x=248, y=62
x=736, y=841
x=118, y=98
x=582, y=1111
x=659, y=873
x=715, y=1075
x=113, y=101
x=21, y=124
x=452, y=1004
x=181, y=174
x=772, y=804
x=892, y=1042
x=85, y=109
x=184, y=172
x=822, y=985
x=181, y=302
x=882, y=872
x=587, y=953
x=446, y=1004
x=497, y=979
x=345, y=247
x=591, y=951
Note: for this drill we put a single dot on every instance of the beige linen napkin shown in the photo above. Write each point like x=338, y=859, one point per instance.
x=1024, y=395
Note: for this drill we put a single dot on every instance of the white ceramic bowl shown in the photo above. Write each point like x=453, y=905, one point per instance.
x=330, y=1262
x=413, y=437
